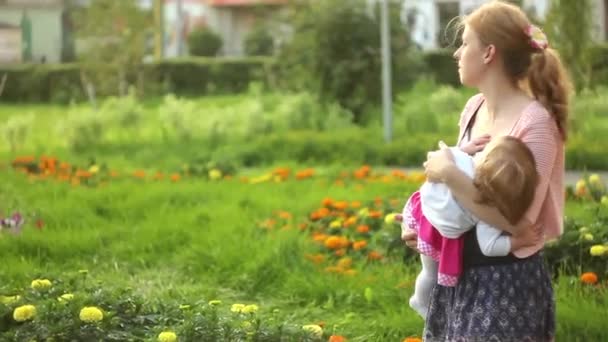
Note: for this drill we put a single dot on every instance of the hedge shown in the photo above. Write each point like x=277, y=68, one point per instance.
x=190, y=76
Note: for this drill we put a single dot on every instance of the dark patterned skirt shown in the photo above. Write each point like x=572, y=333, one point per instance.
x=502, y=303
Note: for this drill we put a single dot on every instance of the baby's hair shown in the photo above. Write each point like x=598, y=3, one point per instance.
x=507, y=178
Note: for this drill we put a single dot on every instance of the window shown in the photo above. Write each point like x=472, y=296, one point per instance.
x=447, y=12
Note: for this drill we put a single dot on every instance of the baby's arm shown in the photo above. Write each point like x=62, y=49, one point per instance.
x=491, y=240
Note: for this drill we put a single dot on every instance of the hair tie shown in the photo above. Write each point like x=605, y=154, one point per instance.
x=538, y=39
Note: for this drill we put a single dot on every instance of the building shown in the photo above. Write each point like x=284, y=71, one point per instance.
x=231, y=19
x=427, y=19
x=40, y=26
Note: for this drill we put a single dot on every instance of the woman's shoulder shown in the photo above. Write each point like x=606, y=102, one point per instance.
x=535, y=114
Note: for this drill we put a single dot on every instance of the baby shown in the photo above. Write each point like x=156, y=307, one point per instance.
x=506, y=179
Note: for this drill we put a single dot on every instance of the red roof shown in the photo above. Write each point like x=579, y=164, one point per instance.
x=246, y=2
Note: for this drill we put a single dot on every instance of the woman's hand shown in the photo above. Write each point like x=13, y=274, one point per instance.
x=476, y=145
x=438, y=163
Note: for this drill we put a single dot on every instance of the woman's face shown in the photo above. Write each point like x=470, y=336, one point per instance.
x=470, y=57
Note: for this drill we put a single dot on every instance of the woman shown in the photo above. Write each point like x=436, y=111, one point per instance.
x=524, y=93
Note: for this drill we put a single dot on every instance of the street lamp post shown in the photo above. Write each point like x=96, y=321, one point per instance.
x=387, y=115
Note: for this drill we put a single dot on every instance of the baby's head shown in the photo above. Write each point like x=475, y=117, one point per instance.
x=507, y=177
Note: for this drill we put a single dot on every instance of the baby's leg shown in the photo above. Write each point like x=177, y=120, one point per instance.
x=426, y=279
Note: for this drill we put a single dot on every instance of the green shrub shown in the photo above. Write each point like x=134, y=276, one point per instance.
x=204, y=42
x=441, y=66
x=259, y=42
x=188, y=76
x=599, y=64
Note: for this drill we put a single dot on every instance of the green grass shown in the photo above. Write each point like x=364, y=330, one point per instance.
x=196, y=240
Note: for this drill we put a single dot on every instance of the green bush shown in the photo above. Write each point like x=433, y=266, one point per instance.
x=441, y=66
x=189, y=76
x=204, y=42
x=259, y=42
x=599, y=65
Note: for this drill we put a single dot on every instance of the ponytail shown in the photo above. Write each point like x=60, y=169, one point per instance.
x=550, y=85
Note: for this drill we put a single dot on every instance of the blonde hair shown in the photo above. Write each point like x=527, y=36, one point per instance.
x=507, y=178
x=504, y=26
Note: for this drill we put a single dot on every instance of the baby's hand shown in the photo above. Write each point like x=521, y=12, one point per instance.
x=530, y=236
x=476, y=144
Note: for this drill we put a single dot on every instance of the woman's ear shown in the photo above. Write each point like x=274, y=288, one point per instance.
x=489, y=54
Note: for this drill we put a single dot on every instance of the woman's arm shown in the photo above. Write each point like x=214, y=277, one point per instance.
x=440, y=168
x=464, y=191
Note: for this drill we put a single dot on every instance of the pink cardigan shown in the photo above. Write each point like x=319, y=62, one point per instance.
x=538, y=130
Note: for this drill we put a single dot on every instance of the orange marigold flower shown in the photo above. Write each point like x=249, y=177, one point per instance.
x=333, y=242
x=341, y=205
x=340, y=252
x=337, y=338
x=113, y=173
x=398, y=174
x=315, y=258
x=373, y=255
x=589, y=278
x=284, y=215
x=303, y=226
x=359, y=245
x=412, y=339
x=139, y=174
x=363, y=229
x=306, y=173
x=345, y=262
x=158, y=176
x=355, y=204
x=375, y=214
x=175, y=177
x=327, y=202
x=333, y=269
x=350, y=272
x=23, y=160
x=319, y=237
x=351, y=221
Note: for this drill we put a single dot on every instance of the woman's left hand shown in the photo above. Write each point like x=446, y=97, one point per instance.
x=438, y=163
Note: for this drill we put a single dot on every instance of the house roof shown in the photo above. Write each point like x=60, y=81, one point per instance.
x=241, y=3
x=8, y=26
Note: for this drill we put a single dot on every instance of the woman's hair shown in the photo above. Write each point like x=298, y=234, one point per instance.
x=507, y=178
x=505, y=26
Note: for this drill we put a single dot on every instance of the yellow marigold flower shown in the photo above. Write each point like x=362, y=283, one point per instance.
x=588, y=237
x=238, y=308
x=252, y=308
x=594, y=179
x=335, y=224
x=215, y=302
x=167, y=336
x=66, y=297
x=363, y=212
x=598, y=250
x=390, y=218
x=215, y=174
x=24, y=313
x=91, y=314
x=583, y=229
x=314, y=330
x=94, y=169
x=8, y=300
x=41, y=284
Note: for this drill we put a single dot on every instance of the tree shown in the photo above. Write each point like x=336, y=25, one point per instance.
x=115, y=34
x=259, y=42
x=568, y=26
x=335, y=51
